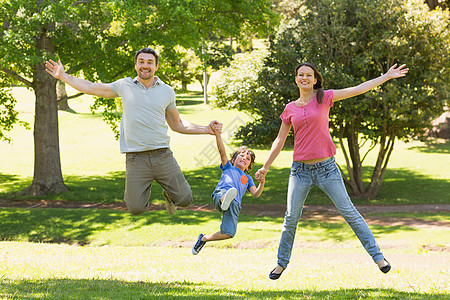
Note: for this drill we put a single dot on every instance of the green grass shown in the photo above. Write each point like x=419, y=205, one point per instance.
x=107, y=254
x=67, y=272
x=94, y=169
x=100, y=227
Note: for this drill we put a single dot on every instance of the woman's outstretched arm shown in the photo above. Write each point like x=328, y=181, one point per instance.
x=277, y=145
x=393, y=72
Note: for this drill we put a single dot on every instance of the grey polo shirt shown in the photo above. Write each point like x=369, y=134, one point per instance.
x=143, y=125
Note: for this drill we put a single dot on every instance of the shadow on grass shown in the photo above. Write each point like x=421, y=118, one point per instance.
x=400, y=186
x=76, y=226
x=105, y=189
x=79, y=226
x=433, y=147
x=334, y=231
x=119, y=289
x=189, y=98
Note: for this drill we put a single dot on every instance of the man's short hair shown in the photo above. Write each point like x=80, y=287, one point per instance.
x=146, y=50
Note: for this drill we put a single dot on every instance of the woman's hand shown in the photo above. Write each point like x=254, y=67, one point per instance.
x=394, y=72
x=260, y=174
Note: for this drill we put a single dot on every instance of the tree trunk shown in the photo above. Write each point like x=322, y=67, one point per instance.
x=357, y=186
x=61, y=93
x=432, y=4
x=384, y=154
x=355, y=182
x=205, y=87
x=47, y=176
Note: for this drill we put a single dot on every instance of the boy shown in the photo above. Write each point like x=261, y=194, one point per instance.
x=229, y=191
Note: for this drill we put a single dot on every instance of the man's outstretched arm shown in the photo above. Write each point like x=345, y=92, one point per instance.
x=182, y=126
x=56, y=69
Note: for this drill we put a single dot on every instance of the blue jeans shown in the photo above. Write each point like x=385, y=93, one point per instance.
x=230, y=216
x=327, y=177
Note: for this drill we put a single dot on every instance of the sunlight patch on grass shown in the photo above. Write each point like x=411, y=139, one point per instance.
x=97, y=272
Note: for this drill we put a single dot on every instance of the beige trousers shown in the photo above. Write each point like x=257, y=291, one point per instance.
x=142, y=168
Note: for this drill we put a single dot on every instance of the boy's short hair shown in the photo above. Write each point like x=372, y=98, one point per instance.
x=252, y=157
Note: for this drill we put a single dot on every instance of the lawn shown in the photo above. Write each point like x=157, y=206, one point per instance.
x=57, y=253
x=94, y=169
x=108, y=254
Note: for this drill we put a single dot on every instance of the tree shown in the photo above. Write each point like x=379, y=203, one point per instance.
x=352, y=41
x=99, y=38
x=190, y=24
x=433, y=4
x=8, y=115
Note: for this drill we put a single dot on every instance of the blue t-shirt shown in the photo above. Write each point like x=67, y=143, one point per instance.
x=233, y=177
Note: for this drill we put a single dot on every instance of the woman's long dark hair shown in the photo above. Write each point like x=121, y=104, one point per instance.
x=319, y=84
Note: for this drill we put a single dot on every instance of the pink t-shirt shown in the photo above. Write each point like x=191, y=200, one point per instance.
x=311, y=130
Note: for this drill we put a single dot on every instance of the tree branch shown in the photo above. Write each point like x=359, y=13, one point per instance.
x=81, y=2
x=17, y=76
x=390, y=148
x=70, y=97
x=78, y=67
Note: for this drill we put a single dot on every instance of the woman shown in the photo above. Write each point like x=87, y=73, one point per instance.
x=314, y=162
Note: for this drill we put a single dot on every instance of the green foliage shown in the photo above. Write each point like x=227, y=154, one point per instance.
x=101, y=37
x=8, y=114
x=352, y=41
x=169, y=25
x=239, y=88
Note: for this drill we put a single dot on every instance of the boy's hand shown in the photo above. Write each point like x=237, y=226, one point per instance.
x=261, y=179
x=261, y=173
x=217, y=128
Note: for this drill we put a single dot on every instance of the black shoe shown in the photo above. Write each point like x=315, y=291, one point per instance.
x=275, y=276
x=386, y=268
x=198, y=245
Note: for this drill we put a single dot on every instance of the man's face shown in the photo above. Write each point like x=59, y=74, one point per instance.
x=146, y=66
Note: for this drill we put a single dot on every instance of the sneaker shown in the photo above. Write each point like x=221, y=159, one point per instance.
x=198, y=245
x=228, y=198
x=170, y=207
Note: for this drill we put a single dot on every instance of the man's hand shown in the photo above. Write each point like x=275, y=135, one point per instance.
x=56, y=69
x=215, y=126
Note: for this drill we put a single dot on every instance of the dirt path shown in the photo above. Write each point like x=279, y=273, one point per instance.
x=310, y=212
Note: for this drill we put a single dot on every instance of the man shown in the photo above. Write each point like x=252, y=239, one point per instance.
x=147, y=104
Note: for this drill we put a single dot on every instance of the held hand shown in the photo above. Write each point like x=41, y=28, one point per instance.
x=261, y=179
x=261, y=174
x=215, y=127
x=56, y=69
x=394, y=72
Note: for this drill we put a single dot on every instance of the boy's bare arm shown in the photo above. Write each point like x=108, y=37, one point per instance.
x=256, y=191
x=221, y=147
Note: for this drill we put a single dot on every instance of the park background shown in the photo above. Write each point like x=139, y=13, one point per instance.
x=95, y=253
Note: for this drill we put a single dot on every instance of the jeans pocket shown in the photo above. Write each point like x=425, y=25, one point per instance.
x=332, y=172
x=294, y=170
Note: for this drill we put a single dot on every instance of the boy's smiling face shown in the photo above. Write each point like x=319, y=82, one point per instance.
x=243, y=160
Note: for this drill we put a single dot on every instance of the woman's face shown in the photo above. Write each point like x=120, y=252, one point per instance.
x=305, y=77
